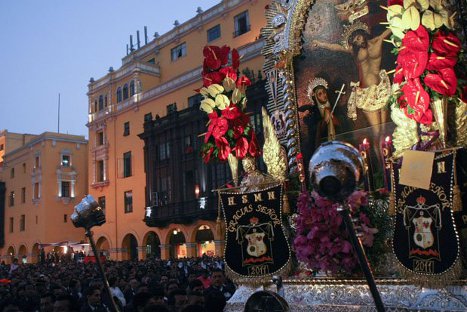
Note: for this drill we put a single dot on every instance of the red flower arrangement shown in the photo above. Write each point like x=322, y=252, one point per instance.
x=321, y=242
x=229, y=128
x=428, y=51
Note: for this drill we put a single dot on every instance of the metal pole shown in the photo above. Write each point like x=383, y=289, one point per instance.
x=362, y=259
x=101, y=269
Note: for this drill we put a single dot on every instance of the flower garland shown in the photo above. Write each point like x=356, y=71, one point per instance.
x=229, y=128
x=321, y=239
x=427, y=53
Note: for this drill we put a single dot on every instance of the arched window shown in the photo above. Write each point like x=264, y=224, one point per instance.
x=105, y=101
x=132, y=88
x=125, y=91
x=101, y=102
x=119, y=95
x=95, y=106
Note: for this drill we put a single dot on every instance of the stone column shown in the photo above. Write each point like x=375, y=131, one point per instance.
x=219, y=245
x=191, y=250
x=165, y=251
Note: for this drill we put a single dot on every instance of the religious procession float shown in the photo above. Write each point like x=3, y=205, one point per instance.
x=363, y=203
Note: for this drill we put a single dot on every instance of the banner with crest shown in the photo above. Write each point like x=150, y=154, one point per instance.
x=256, y=245
x=426, y=241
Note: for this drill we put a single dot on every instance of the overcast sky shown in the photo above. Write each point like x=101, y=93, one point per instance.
x=54, y=46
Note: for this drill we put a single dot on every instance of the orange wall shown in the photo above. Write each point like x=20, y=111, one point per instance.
x=44, y=216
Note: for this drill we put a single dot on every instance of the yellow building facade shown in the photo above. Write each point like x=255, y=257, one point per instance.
x=44, y=177
x=155, y=79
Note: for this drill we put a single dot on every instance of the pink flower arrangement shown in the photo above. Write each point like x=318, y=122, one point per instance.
x=322, y=241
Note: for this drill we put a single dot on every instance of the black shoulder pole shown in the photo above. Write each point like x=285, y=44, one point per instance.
x=101, y=269
x=362, y=259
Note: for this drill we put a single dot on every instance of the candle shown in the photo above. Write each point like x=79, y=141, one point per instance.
x=364, y=149
x=387, y=150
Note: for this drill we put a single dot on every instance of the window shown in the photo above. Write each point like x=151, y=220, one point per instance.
x=100, y=138
x=178, y=52
x=23, y=195
x=101, y=102
x=65, y=218
x=152, y=61
x=12, y=198
x=214, y=33
x=188, y=144
x=12, y=224
x=2, y=147
x=105, y=101
x=12, y=173
x=101, y=202
x=95, y=106
x=37, y=162
x=171, y=108
x=119, y=94
x=128, y=201
x=125, y=91
x=132, y=88
x=66, y=161
x=22, y=223
x=24, y=168
x=195, y=100
x=165, y=193
x=126, y=128
x=127, y=164
x=65, y=189
x=164, y=151
x=242, y=23
x=100, y=171
x=37, y=193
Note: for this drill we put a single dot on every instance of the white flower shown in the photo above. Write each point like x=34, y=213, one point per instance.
x=207, y=105
x=222, y=101
x=215, y=89
x=229, y=84
x=237, y=95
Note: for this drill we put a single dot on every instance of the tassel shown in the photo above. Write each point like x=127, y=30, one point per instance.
x=392, y=204
x=285, y=204
x=456, y=199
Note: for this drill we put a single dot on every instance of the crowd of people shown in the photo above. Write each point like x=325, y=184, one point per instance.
x=183, y=285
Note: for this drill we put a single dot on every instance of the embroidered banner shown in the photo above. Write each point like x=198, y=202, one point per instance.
x=256, y=245
x=425, y=238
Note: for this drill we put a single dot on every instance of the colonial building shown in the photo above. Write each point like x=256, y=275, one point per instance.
x=43, y=177
x=156, y=84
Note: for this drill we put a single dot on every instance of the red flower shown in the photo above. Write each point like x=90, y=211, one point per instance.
x=446, y=44
x=243, y=82
x=413, y=62
x=228, y=71
x=437, y=62
x=223, y=148
x=212, y=77
x=241, y=147
x=398, y=74
x=415, y=101
x=417, y=40
x=231, y=112
x=444, y=82
x=464, y=94
x=393, y=2
x=235, y=59
x=207, y=154
x=215, y=57
x=217, y=128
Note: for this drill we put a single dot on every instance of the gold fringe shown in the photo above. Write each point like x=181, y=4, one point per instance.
x=392, y=204
x=456, y=199
x=285, y=204
x=434, y=280
x=256, y=281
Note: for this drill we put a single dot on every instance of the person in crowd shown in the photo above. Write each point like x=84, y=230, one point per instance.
x=116, y=291
x=94, y=301
x=177, y=300
x=219, y=283
x=214, y=301
x=65, y=303
x=47, y=302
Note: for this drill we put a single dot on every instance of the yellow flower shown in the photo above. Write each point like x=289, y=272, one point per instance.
x=411, y=18
x=207, y=105
x=237, y=95
x=222, y=101
x=229, y=84
x=215, y=89
x=432, y=20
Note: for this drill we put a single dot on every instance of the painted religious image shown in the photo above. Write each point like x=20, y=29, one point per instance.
x=342, y=79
